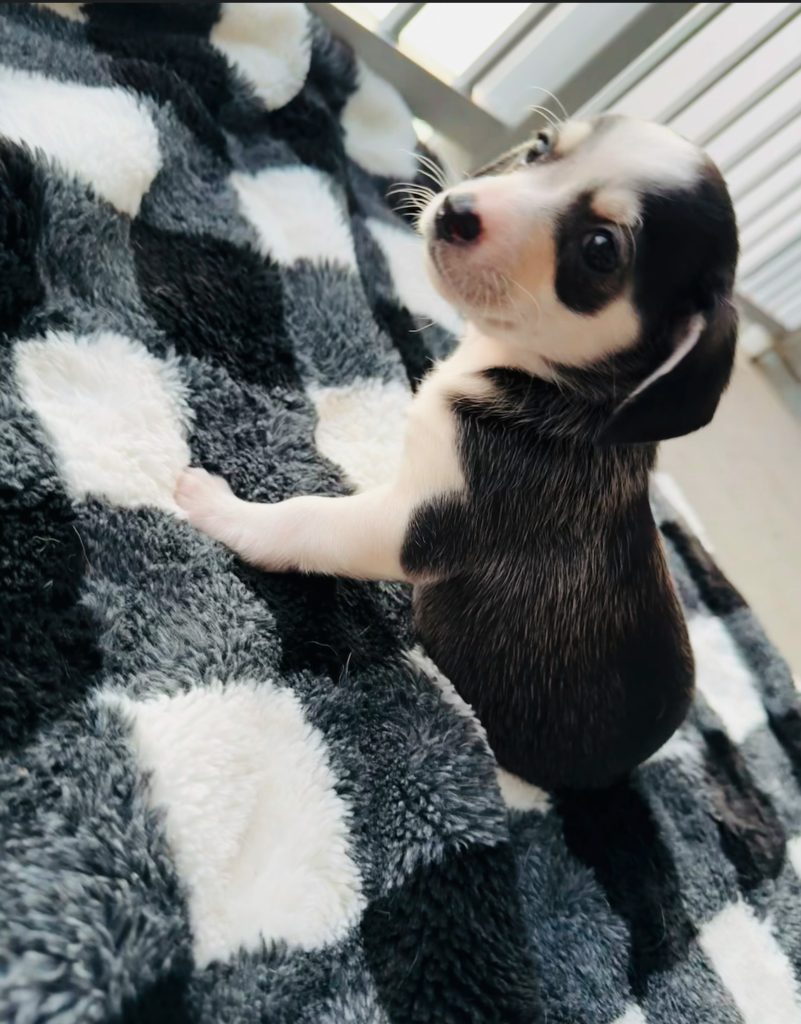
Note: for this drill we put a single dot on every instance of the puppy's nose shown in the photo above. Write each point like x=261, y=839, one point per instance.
x=455, y=220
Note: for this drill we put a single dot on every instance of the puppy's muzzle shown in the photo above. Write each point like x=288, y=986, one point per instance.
x=455, y=220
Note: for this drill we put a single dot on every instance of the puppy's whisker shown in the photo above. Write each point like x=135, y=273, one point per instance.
x=557, y=101
x=400, y=185
x=421, y=197
x=446, y=166
x=437, y=170
x=414, y=207
x=424, y=171
x=412, y=189
x=525, y=291
x=436, y=173
x=429, y=162
x=549, y=116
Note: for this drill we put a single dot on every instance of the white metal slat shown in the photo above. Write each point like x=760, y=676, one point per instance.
x=774, y=287
x=704, y=58
x=758, y=74
x=651, y=58
x=791, y=315
x=770, y=283
x=765, y=159
x=760, y=228
x=760, y=253
x=778, y=264
x=568, y=38
x=498, y=49
x=755, y=202
x=789, y=298
x=756, y=125
x=451, y=52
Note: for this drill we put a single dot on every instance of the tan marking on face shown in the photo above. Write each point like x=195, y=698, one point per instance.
x=534, y=266
x=619, y=205
x=571, y=136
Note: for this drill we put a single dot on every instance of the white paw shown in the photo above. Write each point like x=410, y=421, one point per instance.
x=209, y=503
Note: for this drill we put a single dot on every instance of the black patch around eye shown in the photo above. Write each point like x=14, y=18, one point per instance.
x=580, y=284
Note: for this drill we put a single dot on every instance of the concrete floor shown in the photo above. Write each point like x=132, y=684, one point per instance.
x=742, y=475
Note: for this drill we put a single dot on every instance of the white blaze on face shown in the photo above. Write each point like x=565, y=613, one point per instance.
x=505, y=282
x=639, y=155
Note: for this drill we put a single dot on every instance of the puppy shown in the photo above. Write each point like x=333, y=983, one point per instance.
x=594, y=267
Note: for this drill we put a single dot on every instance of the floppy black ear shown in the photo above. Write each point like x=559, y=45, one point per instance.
x=683, y=393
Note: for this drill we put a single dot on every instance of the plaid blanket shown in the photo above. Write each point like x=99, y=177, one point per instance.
x=228, y=796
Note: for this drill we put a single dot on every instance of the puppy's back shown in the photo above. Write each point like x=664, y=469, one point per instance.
x=553, y=612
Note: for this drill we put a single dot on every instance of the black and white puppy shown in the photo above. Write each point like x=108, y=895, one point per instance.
x=595, y=268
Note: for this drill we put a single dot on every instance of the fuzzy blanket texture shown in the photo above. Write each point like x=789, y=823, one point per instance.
x=228, y=797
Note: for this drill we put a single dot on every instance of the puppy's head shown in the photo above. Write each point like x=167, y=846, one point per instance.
x=608, y=243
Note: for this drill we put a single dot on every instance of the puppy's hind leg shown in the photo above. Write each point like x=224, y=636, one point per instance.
x=358, y=536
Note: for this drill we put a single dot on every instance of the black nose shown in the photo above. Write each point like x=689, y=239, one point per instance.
x=455, y=220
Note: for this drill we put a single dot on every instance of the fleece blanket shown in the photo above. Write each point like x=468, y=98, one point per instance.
x=227, y=796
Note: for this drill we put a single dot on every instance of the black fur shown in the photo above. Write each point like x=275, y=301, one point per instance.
x=786, y=726
x=682, y=263
x=306, y=125
x=685, y=261
x=553, y=613
x=400, y=325
x=577, y=287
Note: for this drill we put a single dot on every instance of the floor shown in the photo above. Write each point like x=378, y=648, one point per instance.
x=742, y=475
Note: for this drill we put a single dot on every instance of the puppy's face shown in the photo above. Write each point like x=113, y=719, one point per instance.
x=571, y=244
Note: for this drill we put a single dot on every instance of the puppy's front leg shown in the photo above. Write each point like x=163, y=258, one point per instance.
x=358, y=536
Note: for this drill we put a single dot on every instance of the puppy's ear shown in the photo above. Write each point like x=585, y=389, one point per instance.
x=683, y=393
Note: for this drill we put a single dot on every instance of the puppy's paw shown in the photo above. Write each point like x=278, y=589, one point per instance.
x=209, y=503
x=198, y=491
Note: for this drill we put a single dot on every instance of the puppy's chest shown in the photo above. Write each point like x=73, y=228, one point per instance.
x=459, y=439
x=490, y=503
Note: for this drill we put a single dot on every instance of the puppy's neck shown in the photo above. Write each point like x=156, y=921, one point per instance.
x=479, y=351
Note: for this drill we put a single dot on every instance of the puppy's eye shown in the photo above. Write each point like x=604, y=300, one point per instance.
x=541, y=146
x=600, y=252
